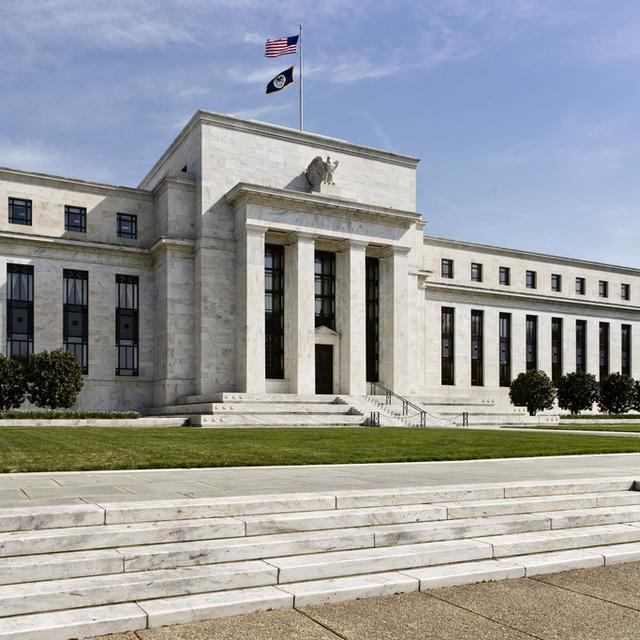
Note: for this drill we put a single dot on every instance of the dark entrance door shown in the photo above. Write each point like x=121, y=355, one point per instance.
x=324, y=368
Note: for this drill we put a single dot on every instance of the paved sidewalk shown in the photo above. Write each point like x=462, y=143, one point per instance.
x=589, y=604
x=116, y=486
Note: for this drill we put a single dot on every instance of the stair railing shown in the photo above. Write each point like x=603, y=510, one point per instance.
x=388, y=394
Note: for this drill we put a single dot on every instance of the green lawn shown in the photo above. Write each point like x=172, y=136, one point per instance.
x=583, y=427
x=66, y=449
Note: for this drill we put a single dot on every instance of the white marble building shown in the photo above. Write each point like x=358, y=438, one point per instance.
x=224, y=270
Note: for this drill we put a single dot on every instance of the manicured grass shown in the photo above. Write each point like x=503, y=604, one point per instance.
x=66, y=449
x=34, y=414
x=602, y=416
x=634, y=428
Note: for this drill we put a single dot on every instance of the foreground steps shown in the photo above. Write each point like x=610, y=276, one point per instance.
x=80, y=570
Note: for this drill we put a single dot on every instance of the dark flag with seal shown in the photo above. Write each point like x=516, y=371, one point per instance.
x=282, y=80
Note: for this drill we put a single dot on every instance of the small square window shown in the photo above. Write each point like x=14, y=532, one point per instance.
x=625, y=291
x=581, y=286
x=127, y=226
x=505, y=276
x=556, y=282
x=476, y=272
x=75, y=219
x=603, y=289
x=531, y=280
x=447, y=268
x=20, y=211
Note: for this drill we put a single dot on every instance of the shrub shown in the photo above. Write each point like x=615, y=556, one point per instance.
x=577, y=391
x=617, y=393
x=636, y=396
x=533, y=390
x=54, y=378
x=13, y=384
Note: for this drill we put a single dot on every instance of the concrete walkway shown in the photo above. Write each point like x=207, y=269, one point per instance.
x=589, y=604
x=21, y=489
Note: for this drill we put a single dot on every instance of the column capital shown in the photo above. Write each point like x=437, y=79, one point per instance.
x=395, y=250
x=294, y=236
x=348, y=243
x=252, y=230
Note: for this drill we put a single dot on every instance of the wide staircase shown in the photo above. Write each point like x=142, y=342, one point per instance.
x=74, y=571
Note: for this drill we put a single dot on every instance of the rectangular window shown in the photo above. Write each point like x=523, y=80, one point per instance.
x=626, y=350
x=447, y=268
x=505, y=276
x=532, y=278
x=581, y=286
x=476, y=272
x=447, y=345
x=325, y=289
x=127, y=226
x=505, y=349
x=477, y=348
x=604, y=349
x=19, y=311
x=75, y=323
x=581, y=346
x=532, y=342
x=556, y=350
x=556, y=282
x=127, y=325
x=603, y=289
x=372, y=266
x=75, y=219
x=274, y=310
x=625, y=291
x=19, y=211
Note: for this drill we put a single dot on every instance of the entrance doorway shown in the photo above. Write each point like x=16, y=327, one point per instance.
x=324, y=368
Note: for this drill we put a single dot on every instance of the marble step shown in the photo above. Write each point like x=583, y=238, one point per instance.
x=293, y=408
x=230, y=396
x=71, y=593
x=277, y=420
x=28, y=518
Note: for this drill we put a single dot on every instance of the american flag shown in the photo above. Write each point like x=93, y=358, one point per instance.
x=281, y=47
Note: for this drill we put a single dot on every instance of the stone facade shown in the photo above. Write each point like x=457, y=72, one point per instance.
x=225, y=189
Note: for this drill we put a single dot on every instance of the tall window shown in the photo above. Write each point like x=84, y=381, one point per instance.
x=604, y=349
x=505, y=276
x=626, y=350
x=75, y=324
x=477, y=348
x=625, y=291
x=581, y=286
x=19, y=311
x=274, y=310
x=532, y=280
x=556, y=350
x=325, y=289
x=581, y=346
x=532, y=342
x=75, y=219
x=447, y=345
x=126, y=325
x=505, y=349
x=603, y=289
x=447, y=268
x=373, y=316
x=476, y=272
x=19, y=211
x=127, y=226
x=556, y=282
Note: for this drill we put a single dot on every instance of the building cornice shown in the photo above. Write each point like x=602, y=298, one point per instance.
x=498, y=294
x=245, y=192
x=173, y=244
x=72, y=184
x=542, y=257
x=176, y=182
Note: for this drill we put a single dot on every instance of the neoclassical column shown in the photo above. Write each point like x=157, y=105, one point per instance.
x=394, y=326
x=299, y=323
x=250, y=309
x=351, y=318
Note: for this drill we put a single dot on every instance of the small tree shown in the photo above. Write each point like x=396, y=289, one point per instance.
x=533, y=390
x=617, y=393
x=578, y=391
x=13, y=384
x=55, y=379
x=636, y=397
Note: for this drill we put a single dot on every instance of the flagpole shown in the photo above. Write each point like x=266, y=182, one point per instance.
x=301, y=83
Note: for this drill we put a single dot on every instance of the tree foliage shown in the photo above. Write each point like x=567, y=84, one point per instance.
x=55, y=379
x=13, y=383
x=534, y=390
x=617, y=393
x=578, y=392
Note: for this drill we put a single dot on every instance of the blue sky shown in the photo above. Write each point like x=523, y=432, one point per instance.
x=526, y=113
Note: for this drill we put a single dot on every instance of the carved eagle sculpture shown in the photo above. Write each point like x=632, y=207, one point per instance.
x=320, y=171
